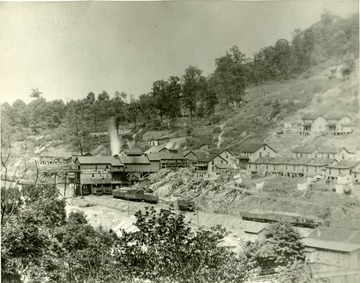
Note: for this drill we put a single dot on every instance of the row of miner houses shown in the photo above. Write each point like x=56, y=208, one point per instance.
x=133, y=165
x=332, y=124
x=328, y=162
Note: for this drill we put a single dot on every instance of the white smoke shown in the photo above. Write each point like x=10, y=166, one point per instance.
x=115, y=144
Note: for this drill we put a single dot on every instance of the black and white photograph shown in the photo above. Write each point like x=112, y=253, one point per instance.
x=180, y=141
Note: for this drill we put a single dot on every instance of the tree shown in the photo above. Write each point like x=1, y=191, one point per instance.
x=228, y=80
x=35, y=93
x=191, y=85
x=133, y=111
x=281, y=247
x=165, y=247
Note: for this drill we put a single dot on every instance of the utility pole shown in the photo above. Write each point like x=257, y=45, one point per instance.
x=197, y=216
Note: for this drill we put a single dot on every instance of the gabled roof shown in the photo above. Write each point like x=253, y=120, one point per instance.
x=222, y=166
x=133, y=151
x=153, y=156
x=134, y=159
x=311, y=117
x=321, y=162
x=304, y=149
x=337, y=116
x=330, y=149
x=156, y=148
x=218, y=151
x=254, y=147
x=255, y=228
x=345, y=164
x=165, y=155
x=186, y=152
x=337, y=239
x=99, y=160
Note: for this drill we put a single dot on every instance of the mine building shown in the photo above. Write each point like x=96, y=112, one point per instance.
x=98, y=171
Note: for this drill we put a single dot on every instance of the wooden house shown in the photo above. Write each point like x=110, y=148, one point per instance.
x=172, y=159
x=277, y=165
x=331, y=249
x=190, y=156
x=342, y=167
x=313, y=124
x=297, y=167
x=254, y=151
x=318, y=166
x=305, y=151
x=225, y=154
x=339, y=124
x=259, y=165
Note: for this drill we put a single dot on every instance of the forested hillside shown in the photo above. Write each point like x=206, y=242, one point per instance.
x=272, y=85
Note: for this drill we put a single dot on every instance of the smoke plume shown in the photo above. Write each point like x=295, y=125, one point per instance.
x=115, y=144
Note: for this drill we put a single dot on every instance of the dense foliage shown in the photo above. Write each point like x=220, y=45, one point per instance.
x=193, y=94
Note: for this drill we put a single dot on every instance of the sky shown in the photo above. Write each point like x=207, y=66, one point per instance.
x=68, y=49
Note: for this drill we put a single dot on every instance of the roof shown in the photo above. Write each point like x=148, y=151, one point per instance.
x=311, y=117
x=345, y=164
x=254, y=147
x=336, y=116
x=330, y=245
x=219, y=150
x=300, y=161
x=264, y=159
x=254, y=227
x=321, y=161
x=99, y=160
x=165, y=155
x=153, y=156
x=337, y=239
x=330, y=149
x=348, y=125
x=280, y=160
x=156, y=148
x=304, y=149
x=134, y=159
x=222, y=166
x=133, y=151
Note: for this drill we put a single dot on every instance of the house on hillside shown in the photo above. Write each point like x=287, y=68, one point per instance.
x=343, y=167
x=252, y=152
x=332, y=124
x=305, y=151
x=297, y=167
x=190, y=156
x=317, y=166
x=259, y=165
x=211, y=164
x=328, y=249
x=313, y=124
x=225, y=154
x=158, y=148
x=172, y=159
x=277, y=165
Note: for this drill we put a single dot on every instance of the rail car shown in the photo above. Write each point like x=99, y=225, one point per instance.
x=302, y=221
x=134, y=195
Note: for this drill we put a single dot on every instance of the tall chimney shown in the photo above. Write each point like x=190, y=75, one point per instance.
x=318, y=232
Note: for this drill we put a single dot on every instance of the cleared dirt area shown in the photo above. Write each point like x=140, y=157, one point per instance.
x=118, y=214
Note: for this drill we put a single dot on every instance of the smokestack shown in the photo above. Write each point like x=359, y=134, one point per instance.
x=319, y=232
x=115, y=144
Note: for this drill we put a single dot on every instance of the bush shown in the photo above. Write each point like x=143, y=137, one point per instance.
x=216, y=130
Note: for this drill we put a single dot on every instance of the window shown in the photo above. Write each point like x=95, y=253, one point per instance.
x=264, y=147
x=343, y=156
x=260, y=154
x=92, y=175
